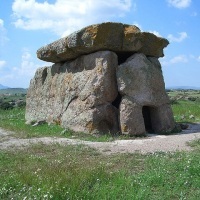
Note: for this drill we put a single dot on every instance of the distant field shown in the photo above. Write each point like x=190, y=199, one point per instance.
x=13, y=91
x=185, y=105
x=186, y=93
x=13, y=97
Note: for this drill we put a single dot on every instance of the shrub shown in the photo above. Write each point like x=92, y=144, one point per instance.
x=6, y=106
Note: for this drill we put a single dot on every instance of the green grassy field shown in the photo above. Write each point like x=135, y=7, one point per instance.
x=186, y=111
x=14, y=120
x=78, y=172
x=187, y=108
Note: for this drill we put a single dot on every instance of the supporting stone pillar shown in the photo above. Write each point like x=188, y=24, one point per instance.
x=162, y=118
x=131, y=118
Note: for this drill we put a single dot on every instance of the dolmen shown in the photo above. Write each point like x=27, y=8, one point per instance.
x=106, y=78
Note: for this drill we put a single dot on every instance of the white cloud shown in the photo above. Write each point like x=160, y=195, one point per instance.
x=3, y=37
x=66, y=16
x=1, y=23
x=198, y=59
x=140, y=27
x=177, y=59
x=19, y=76
x=163, y=61
x=179, y=3
x=156, y=33
x=182, y=36
x=2, y=64
x=27, y=67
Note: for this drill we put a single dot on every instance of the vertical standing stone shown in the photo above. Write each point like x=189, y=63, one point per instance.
x=131, y=119
x=77, y=94
x=141, y=84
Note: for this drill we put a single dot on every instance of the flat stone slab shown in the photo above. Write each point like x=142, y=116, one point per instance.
x=117, y=37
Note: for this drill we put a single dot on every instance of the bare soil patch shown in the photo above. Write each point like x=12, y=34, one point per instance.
x=150, y=144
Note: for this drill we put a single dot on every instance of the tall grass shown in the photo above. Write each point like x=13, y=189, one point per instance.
x=186, y=111
x=14, y=120
x=77, y=172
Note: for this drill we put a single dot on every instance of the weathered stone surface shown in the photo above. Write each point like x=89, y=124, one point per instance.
x=131, y=118
x=145, y=104
x=141, y=78
x=106, y=78
x=137, y=119
x=162, y=119
x=117, y=37
x=99, y=119
x=76, y=94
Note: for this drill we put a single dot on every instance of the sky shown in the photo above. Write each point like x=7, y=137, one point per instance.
x=27, y=25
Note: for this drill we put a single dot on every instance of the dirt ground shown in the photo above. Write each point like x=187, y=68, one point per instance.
x=150, y=144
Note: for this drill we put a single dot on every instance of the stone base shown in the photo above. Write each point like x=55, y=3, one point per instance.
x=94, y=94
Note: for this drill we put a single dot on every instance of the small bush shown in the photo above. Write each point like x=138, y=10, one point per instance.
x=6, y=106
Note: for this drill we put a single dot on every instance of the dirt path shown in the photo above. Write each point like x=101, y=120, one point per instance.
x=150, y=144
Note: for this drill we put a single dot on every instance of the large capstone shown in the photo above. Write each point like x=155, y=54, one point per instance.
x=117, y=37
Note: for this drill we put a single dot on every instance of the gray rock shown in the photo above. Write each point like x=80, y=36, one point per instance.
x=141, y=78
x=38, y=123
x=191, y=117
x=184, y=126
x=162, y=119
x=145, y=105
x=106, y=78
x=131, y=118
x=76, y=94
x=99, y=119
x=117, y=37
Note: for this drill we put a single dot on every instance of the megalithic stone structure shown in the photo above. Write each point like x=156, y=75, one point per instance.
x=106, y=79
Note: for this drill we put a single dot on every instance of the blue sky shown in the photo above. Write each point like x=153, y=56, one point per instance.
x=27, y=25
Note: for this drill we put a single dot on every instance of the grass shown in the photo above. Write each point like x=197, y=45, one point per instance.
x=184, y=110
x=14, y=120
x=78, y=172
